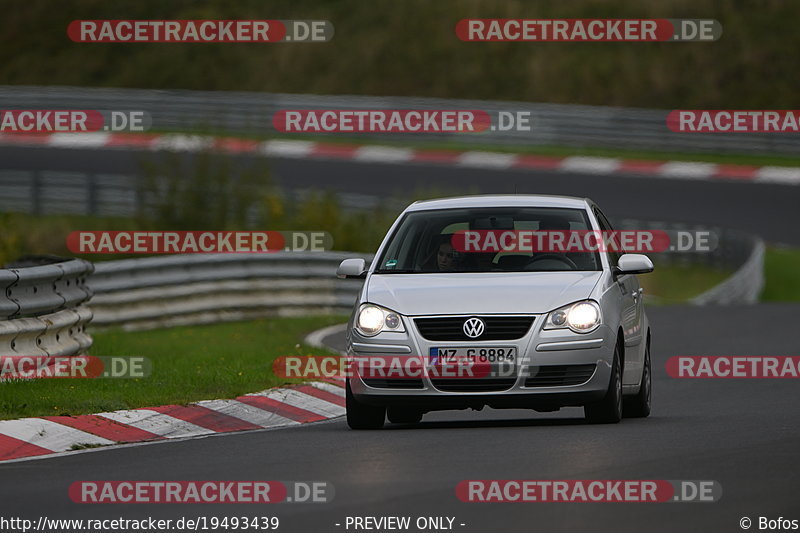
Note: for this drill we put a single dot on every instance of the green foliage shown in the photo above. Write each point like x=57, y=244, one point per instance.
x=22, y=234
x=409, y=48
x=206, y=193
x=198, y=193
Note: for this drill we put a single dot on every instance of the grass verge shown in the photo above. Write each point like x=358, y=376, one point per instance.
x=189, y=364
x=782, y=275
x=674, y=284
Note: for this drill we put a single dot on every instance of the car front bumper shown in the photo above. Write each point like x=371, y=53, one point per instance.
x=553, y=368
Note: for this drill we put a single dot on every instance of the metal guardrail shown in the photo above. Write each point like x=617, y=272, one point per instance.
x=63, y=192
x=744, y=286
x=195, y=289
x=45, y=288
x=734, y=250
x=251, y=113
x=101, y=194
x=42, y=311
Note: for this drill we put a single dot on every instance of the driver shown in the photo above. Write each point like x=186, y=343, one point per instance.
x=443, y=257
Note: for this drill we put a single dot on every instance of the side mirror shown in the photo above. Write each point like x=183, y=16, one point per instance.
x=634, y=264
x=352, y=268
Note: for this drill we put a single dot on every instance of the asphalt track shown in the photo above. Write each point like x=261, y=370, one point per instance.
x=742, y=433
x=768, y=210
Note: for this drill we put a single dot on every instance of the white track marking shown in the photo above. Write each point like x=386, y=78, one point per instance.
x=785, y=175
x=245, y=412
x=329, y=387
x=383, y=154
x=486, y=160
x=287, y=148
x=679, y=169
x=590, y=165
x=304, y=401
x=79, y=140
x=47, y=434
x=154, y=422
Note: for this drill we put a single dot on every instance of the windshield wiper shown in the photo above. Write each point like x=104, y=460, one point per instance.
x=397, y=271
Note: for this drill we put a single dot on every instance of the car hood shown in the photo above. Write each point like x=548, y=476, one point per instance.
x=479, y=293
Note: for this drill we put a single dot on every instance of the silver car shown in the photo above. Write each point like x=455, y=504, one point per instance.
x=551, y=329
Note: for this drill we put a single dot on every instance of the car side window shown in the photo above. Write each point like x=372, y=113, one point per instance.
x=399, y=249
x=605, y=225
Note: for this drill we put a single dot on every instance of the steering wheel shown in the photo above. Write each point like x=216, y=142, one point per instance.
x=557, y=257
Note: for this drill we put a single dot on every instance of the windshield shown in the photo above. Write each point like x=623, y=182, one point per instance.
x=433, y=241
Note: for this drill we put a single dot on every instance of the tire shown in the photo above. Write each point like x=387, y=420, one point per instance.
x=361, y=415
x=404, y=415
x=639, y=406
x=609, y=409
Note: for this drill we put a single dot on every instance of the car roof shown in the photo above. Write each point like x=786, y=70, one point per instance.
x=501, y=200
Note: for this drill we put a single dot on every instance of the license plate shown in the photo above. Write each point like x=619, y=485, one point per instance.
x=483, y=354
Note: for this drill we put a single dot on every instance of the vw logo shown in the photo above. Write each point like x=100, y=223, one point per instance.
x=474, y=327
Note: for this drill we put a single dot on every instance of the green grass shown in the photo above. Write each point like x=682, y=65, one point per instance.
x=678, y=283
x=189, y=364
x=782, y=273
x=675, y=284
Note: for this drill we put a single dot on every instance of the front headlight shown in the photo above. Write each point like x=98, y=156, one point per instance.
x=580, y=317
x=372, y=319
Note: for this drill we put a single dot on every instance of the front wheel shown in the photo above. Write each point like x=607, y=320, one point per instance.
x=639, y=406
x=609, y=409
x=361, y=415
